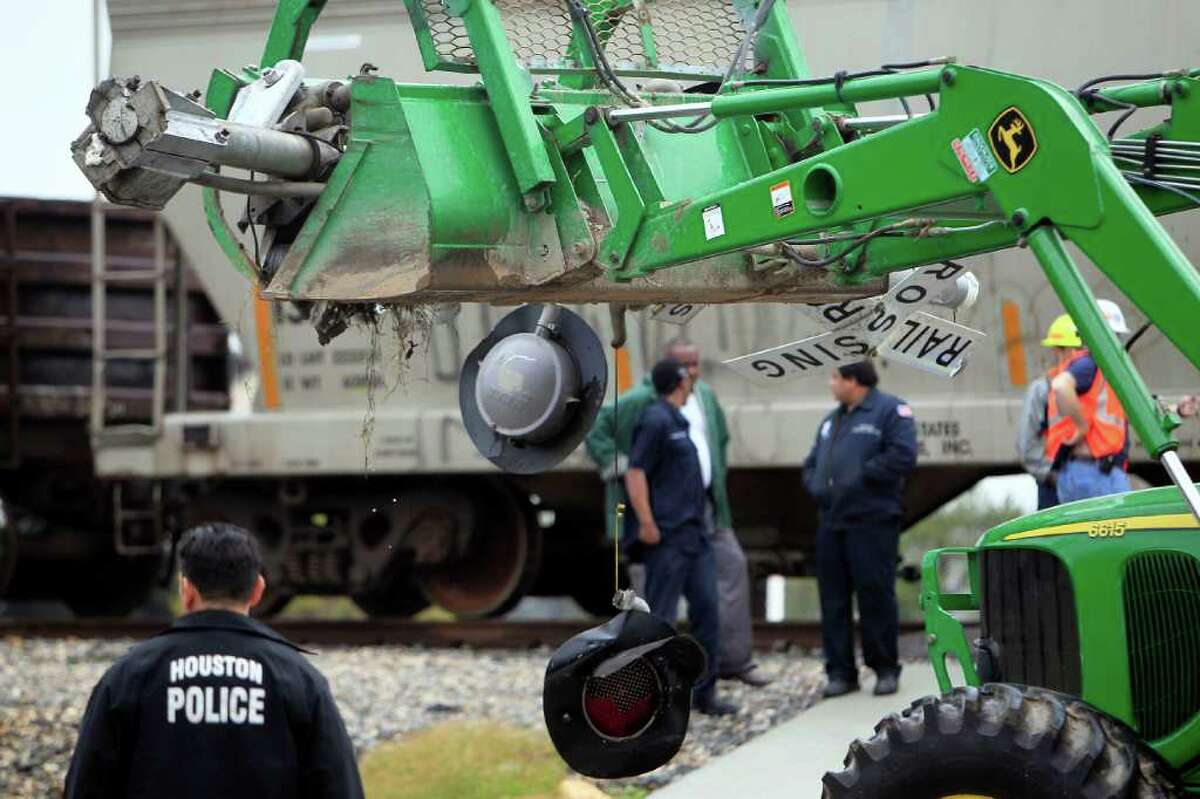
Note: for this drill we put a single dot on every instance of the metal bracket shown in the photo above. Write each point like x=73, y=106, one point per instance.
x=944, y=633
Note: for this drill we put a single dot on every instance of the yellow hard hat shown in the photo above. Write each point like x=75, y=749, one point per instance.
x=1062, y=333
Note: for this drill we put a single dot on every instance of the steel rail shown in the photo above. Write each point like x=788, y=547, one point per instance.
x=482, y=634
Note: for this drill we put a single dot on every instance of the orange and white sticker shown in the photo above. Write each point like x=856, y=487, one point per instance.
x=781, y=199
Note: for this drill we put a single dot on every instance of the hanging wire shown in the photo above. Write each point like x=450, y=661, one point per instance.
x=1187, y=195
x=610, y=79
x=619, y=514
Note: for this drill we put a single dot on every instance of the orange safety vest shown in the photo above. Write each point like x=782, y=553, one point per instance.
x=1107, y=429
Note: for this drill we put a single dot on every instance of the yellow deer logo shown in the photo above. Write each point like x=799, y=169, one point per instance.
x=1013, y=140
x=1008, y=134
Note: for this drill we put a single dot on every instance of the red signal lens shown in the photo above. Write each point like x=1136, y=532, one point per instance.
x=622, y=704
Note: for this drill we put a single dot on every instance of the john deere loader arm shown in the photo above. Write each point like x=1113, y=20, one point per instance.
x=631, y=152
x=1027, y=146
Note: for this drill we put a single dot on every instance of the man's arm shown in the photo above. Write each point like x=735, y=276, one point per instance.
x=1030, y=447
x=95, y=771
x=330, y=770
x=601, y=443
x=645, y=453
x=898, y=455
x=808, y=474
x=1066, y=392
x=607, y=437
x=722, y=434
x=638, y=490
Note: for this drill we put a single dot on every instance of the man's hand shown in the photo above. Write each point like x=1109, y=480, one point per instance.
x=1078, y=436
x=648, y=534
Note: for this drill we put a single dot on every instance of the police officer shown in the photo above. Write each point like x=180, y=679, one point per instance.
x=864, y=450
x=608, y=445
x=667, y=526
x=218, y=705
x=1087, y=434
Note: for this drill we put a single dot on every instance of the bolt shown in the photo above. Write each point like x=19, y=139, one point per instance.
x=614, y=258
x=566, y=717
x=534, y=201
x=591, y=116
x=222, y=135
x=1018, y=219
x=931, y=639
x=948, y=77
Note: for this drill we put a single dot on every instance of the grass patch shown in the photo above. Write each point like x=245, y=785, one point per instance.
x=464, y=760
x=325, y=608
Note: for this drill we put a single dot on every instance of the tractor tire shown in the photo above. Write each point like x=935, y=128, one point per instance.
x=1001, y=741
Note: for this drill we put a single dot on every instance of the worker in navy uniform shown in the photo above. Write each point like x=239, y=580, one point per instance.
x=608, y=444
x=219, y=705
x=668, y=527
x=864, y=451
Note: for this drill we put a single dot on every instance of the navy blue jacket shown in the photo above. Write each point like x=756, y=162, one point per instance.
x=663, y=449
x=860, y=459
x=217, y=706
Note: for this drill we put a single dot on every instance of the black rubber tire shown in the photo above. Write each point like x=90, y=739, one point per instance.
x=8, y=554
x=593, y=584
x=1005, y=742
x=400, y=598
x=113, y=587
x=271, y=604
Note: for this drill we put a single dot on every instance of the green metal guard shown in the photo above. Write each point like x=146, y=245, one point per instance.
x=944, y=633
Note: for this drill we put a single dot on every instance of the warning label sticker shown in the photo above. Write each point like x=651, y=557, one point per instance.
x=781, y=199
x=714, y=222
x=974, y=156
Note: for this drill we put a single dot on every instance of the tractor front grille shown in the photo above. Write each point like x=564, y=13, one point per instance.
x=1162, y=618
x=1028, y=609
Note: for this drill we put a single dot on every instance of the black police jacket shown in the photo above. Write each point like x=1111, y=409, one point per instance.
x=219, y=705
x=860, y=459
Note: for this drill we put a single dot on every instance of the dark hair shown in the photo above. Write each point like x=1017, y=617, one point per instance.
x=221, y=560
x=667, y=375
x=862, y=373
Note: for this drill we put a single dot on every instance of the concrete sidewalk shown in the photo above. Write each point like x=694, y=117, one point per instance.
x=790, y=760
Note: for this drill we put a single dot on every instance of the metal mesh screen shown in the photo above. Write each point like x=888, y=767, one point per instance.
x=623, y=703
x=685, y=37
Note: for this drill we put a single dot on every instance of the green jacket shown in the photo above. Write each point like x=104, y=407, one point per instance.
x=600, y=446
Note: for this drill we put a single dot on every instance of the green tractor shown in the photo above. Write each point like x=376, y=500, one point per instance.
x=1085, y=680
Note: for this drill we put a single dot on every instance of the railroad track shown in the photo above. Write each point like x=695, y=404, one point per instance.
x=486, y=634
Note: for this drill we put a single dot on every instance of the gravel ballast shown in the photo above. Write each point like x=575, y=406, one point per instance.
x=383, y=692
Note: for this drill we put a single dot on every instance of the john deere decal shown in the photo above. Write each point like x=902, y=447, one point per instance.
x=1012, y=140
